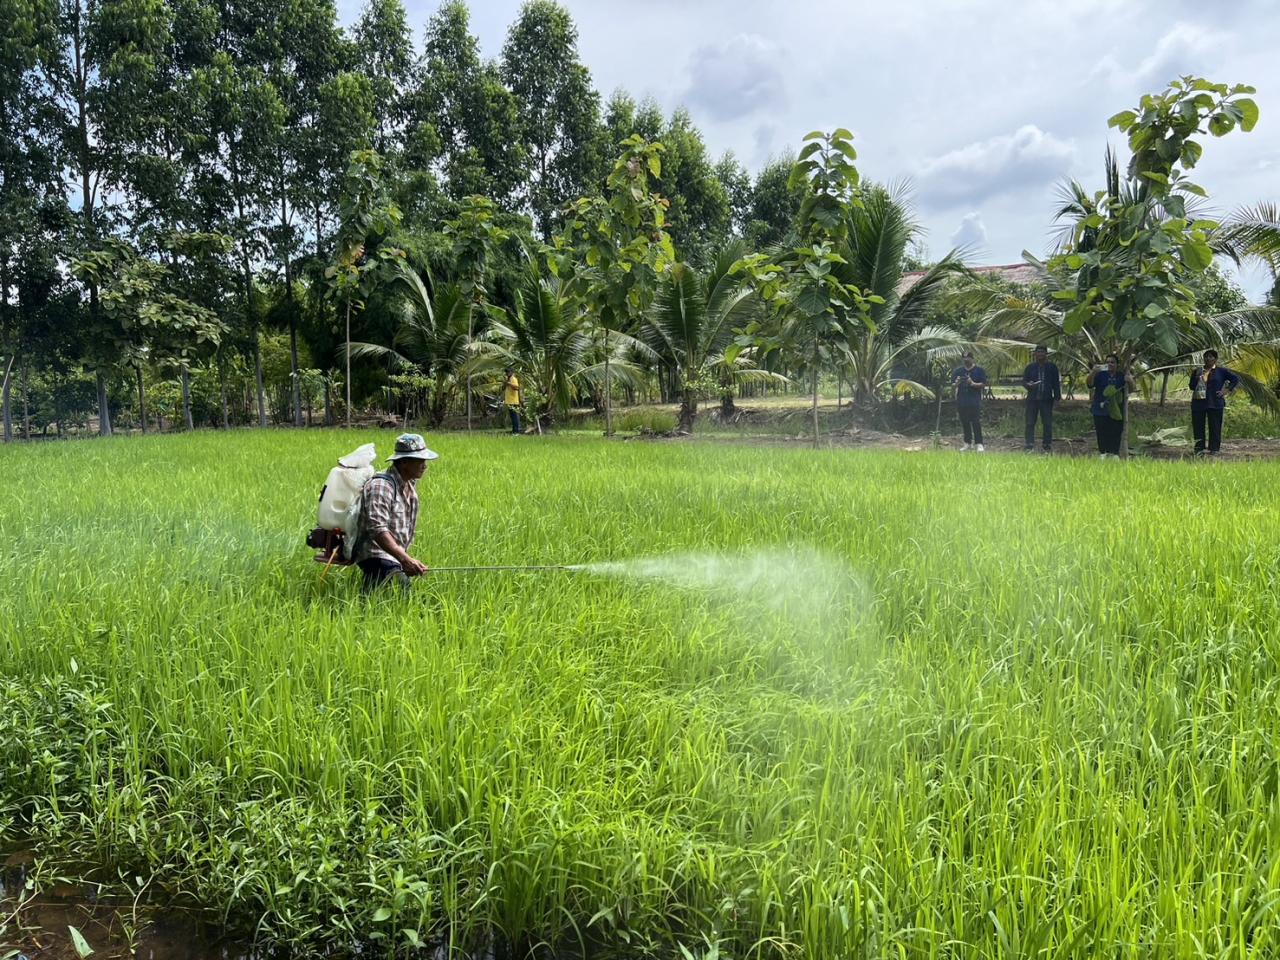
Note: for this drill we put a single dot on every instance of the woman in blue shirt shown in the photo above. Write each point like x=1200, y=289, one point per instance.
x=1108, y=385
x=1210, y=387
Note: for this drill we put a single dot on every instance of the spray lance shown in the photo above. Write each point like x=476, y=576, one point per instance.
x=522, y=568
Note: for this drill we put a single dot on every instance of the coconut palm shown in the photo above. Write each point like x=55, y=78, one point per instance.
x=435, y=337
x=692, y=327
x=554, y=346
x=881, y=233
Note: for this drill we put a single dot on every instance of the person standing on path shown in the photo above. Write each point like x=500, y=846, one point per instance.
x=389, y=516
x=1210, y=387
x=1108, y=409
x=1044, y=388
x=970, y=381
x=512, y=398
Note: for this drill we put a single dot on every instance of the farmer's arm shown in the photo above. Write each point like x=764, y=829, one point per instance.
x=1088, y=380
x=388, y=543
x=1230, y=380
x=379, y=498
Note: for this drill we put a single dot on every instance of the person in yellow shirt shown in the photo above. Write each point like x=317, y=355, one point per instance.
x=512, y=398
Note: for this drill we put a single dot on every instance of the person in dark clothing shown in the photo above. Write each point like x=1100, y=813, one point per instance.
x=1210, y=387
x=1044, y=388
x=1108, y=408
x=970, y=381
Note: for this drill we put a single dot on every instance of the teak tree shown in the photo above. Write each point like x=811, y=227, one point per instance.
x=623, y=248
x=1138, y=249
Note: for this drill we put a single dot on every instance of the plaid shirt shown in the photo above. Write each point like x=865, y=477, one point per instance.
x=389, y=503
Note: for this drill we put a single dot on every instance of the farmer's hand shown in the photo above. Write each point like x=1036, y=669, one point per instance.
x=412, y=567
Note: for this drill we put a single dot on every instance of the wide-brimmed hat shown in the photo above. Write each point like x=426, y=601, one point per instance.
x=411, y=446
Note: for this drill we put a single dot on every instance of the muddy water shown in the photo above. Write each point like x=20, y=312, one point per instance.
x=39, y=926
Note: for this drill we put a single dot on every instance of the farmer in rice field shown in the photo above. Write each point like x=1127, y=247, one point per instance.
x=511, y=397
x=1108, y=407
x=970, y=381
x=389, y=516
x=1210, y=387
x=1044, y=388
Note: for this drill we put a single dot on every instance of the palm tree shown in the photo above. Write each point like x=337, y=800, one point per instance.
x=434, y=337
x=552, y=344
x=881, y=233
x=692, y=326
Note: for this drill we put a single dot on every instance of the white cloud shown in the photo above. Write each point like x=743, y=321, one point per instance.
x=971, y=233
x=738, y=77
x=1181, y=50
x=1028, y=156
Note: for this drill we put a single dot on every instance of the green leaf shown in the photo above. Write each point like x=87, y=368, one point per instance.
x=1134, y=327
x=815, y=135
x=1190, y=187
x=813, y=300
x=655, y=165
x=1153, y=310
x=80, y=943
x=381, y=914
x=847, y=149
x=1220, y=125
x=1075, y=319
x=1197, y=255
x=1123, y=120
x=808, y=151
x=1064, y=295
x=1249, y=114
x=842, y=134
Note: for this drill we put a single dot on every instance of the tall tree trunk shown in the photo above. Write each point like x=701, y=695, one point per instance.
x=293, y=355
x=104, y=406
x=26, y=401
x=293, y=313
x=1164, y=387
x=348, y=364
x=186, y=398
x=328, y=403
x=815, y=392
x=688, y=409
x=608, y=392
x=222, y=393
x=5, y=392
x=257, y=378
x=142, y=398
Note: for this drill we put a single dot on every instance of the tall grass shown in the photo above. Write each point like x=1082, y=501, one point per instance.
x=1046, y=724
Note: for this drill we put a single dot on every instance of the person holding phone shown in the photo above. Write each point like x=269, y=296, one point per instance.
x=1108, y=384
x=1211, y=385
x=1043, y=384
x=970, y=381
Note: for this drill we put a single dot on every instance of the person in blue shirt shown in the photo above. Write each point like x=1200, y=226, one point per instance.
x=1108, y=410
x=970, y=381
x=1044, y=388
x=1210, y=387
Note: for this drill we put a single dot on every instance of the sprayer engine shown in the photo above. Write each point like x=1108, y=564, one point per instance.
x=330, y=544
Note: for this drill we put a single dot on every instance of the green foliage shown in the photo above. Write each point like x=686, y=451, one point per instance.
x=615, y=247
x=1137, y=247
x=558, y=108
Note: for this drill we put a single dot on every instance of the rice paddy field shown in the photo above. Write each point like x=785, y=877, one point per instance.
x=799, y=704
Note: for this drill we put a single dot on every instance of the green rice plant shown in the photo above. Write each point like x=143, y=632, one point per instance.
x=1030, y=721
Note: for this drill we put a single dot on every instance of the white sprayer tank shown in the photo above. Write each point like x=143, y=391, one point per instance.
x=343, y=487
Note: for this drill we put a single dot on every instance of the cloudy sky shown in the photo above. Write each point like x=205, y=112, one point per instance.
x=983, y=106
